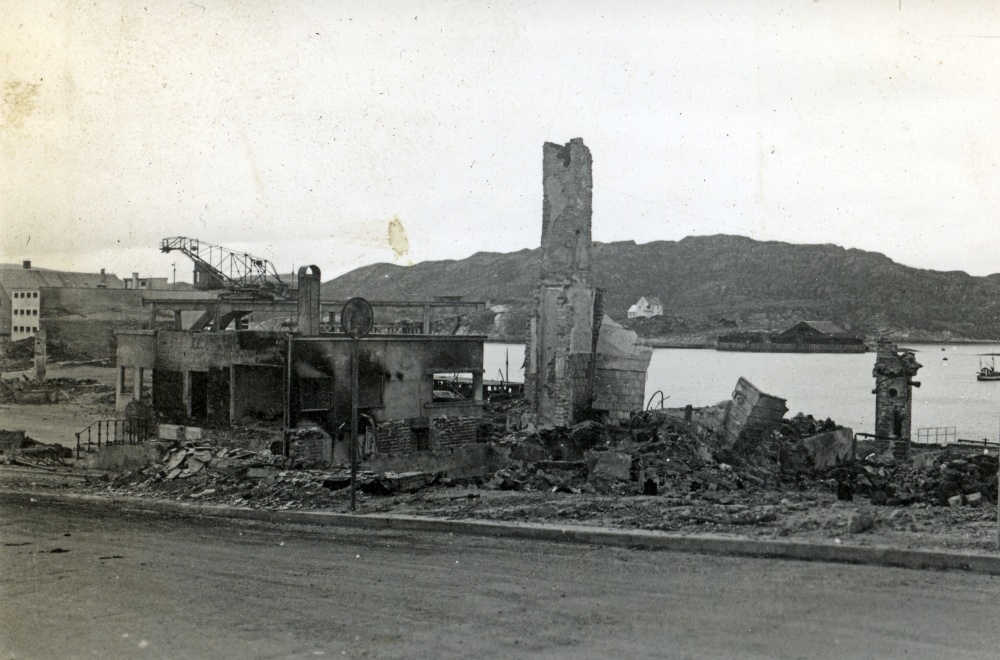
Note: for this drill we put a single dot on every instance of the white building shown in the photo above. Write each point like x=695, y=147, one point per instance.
x=646, y=307
x=20, y=300
x=147, y=283
x=23, y=313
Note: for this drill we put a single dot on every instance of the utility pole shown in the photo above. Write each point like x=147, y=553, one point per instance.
x=356, y=320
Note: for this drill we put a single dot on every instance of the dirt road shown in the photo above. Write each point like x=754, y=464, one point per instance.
x=77, y=583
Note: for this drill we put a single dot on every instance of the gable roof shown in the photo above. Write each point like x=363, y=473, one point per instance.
x=826, y=327
x=33, y=278
x=652, y=301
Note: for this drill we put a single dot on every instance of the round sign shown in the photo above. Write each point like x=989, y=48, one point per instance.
x=356, y=319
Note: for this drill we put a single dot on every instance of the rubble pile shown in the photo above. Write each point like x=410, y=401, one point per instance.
x=16, y=448
x=697, y=476
x=946, y=480
x=260, y=480
x=51, y=390
x=651, y=454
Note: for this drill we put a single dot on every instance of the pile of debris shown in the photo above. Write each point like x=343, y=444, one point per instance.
x=256, y=479
x=949, y=478
x=24, y=390
x=16, y=448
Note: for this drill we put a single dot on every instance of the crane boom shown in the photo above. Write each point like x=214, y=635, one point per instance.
x=217, y=267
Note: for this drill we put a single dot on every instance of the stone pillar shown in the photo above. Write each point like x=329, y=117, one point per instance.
x=425, y=320
x=309, y=291
x=893, y=373
x=137, y=384
x=187, y=392
x=119, y=387
x=477, y=386
x=562, y=322
x=566, y=212
x=232, y=393
x=41, y=354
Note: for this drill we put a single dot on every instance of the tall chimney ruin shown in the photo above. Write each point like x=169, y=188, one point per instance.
x=894, y=371
x=577, y=361
x=309, y=291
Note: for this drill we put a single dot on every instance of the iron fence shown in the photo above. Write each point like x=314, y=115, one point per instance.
x=105, y=432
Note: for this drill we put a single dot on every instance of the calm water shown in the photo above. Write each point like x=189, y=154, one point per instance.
x=835, y=386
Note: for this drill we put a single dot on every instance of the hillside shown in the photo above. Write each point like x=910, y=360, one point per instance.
x=708, y=283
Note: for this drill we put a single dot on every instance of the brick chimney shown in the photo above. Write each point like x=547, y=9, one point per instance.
x=26, y=264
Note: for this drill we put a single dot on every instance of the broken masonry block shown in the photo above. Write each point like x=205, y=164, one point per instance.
x=859, y=522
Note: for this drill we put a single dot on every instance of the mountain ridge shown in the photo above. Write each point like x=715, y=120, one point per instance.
x=709, y=283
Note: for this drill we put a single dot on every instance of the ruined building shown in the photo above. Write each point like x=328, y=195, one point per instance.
x=302, y=380
x=577, y=360
x=894, y=371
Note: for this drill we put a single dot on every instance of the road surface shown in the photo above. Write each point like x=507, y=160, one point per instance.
x=76, y=582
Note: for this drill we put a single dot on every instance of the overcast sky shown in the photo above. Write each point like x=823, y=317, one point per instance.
x=299, y=130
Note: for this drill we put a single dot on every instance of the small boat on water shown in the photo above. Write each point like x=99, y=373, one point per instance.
x=988, y=371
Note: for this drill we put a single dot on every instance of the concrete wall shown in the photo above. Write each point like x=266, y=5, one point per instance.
x=121, y=458
x=192, y=381
x=395, y=387
x=389, y=312
x=199, y=351
x=751, y=408
x=84, y=320
x=136, y=348
x=620, y=385
x=394, y=369
x=258, y=393
x=214, y=378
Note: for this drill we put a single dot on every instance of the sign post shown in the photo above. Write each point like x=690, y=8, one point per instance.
x=356, y=320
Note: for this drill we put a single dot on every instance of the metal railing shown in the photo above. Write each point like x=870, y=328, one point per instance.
x=105, y=432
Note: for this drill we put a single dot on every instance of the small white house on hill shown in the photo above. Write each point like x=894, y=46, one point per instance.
x=646, y=307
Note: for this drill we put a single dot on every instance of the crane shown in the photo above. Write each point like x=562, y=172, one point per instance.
x=217, y=267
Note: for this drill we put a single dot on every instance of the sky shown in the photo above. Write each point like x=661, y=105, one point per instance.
x=347, y=133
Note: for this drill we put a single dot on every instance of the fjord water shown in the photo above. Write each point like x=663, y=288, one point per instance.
x=822, y=385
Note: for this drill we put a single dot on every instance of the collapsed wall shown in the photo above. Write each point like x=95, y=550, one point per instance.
x=568, y=370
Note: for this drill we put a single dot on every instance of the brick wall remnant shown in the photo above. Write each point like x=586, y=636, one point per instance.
x=894, y=371
x=395, y=437
x=452, y=432
x=310, y=444
x=566, y=212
